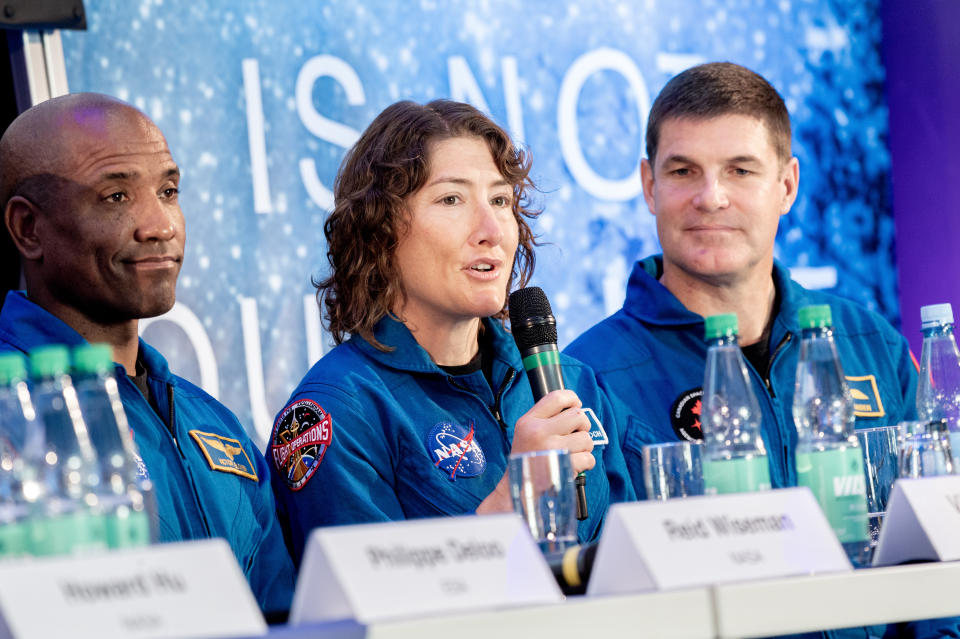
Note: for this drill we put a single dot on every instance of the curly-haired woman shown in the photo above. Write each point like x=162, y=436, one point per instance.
x=416, y=410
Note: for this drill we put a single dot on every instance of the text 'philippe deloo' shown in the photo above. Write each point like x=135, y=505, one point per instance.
x=420, y=557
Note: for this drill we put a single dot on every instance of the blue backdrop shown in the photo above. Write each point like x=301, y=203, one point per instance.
x=260, y=98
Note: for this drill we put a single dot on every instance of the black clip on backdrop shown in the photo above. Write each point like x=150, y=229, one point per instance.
x=42, y=14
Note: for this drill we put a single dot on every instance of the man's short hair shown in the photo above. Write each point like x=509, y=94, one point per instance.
x=716, y=89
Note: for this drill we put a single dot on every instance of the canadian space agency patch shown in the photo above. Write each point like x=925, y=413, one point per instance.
x=455, y=451
x=685, y=415
x=301, y=436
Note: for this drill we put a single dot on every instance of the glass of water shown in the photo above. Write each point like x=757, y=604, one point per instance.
x=880, y=447
x=673, y=469
x=543, y=493
x=925, y=449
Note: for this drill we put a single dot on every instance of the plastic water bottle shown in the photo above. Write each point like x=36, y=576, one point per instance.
x=125, y=492
x=19, y=490
x=938, y=390
x=734, y=456
x=829, y=461
x=72, y=518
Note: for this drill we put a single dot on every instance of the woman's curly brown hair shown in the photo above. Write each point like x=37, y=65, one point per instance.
x=388, y=163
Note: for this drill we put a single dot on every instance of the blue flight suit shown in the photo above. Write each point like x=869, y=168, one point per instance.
x=373, y=436
x=196, y=497
x=650, y=357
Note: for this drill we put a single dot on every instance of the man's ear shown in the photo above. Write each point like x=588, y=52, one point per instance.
x=20, y=217
x=790, y=179
x=646, y=178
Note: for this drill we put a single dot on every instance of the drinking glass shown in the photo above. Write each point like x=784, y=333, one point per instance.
x=880, y=447
x=673, y=469
x=925, y=449
x=541, y=485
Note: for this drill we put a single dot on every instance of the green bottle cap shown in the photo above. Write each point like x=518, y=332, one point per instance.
x=818, y=316
x=92, y=358
x=49, y=361
x=723, y=325
x=13, y=367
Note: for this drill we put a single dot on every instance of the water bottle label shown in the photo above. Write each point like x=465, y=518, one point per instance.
x=128, y=529
x=50, y=536
x=740, y=475
x=14, y=539
x=64, y=534
x=837, y=481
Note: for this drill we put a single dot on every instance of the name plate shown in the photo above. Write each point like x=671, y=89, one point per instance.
x=702, y=541
x=374, y=572
x=190, y=589
x=922, y=522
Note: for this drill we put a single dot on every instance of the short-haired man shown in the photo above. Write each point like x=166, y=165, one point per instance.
x=89, y=192
x=718, y=176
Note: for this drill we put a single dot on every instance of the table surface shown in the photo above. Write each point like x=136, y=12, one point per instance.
x=753, y=609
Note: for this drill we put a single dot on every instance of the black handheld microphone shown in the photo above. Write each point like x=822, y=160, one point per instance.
x=535, y=331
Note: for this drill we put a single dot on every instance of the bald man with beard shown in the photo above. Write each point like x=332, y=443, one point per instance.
x=89, y=193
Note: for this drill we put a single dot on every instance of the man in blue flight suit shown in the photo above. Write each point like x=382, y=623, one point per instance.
x=718, y=175
x=90, y=199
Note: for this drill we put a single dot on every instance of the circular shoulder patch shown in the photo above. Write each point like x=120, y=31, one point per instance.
x=455, y=451
x=685, y=415
x=301, y=436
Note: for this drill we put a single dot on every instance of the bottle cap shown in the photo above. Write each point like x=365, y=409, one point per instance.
x=92, y=358
x=934, y=314
x=13, y=367
x=817, y=316
x=723, y=325
x=49, y=361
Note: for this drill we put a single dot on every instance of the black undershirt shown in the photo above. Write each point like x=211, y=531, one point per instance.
x=140, y=381
x=483, y=360
x=759, y=354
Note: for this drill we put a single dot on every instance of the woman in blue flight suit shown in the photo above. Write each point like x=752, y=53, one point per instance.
x=417, y=409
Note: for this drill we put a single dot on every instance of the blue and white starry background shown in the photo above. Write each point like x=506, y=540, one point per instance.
x=259, y=100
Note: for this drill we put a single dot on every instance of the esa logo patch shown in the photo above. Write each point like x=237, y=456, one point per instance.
x=301, y=436
x=455, y=451
x=685, y=415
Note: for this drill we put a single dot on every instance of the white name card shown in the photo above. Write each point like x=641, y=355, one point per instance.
x=374, y=572
x=190, y=589
x=701, y=541
x=922, y=521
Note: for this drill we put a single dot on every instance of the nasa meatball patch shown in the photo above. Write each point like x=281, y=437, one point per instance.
x=301, y=436
x=455, y=451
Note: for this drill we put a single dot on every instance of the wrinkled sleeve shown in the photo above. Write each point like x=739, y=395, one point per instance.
x=612, y=483
x=621, y=486
x=350, y=481
x=632, y=461
x=270, y=573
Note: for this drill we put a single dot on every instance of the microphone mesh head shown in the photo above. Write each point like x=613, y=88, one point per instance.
x=531, y=318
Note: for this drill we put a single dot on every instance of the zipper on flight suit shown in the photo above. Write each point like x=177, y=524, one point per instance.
x=498, y=396
x=495, y=409
x=774, y=399
x=766, y=379
x=186, y=469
